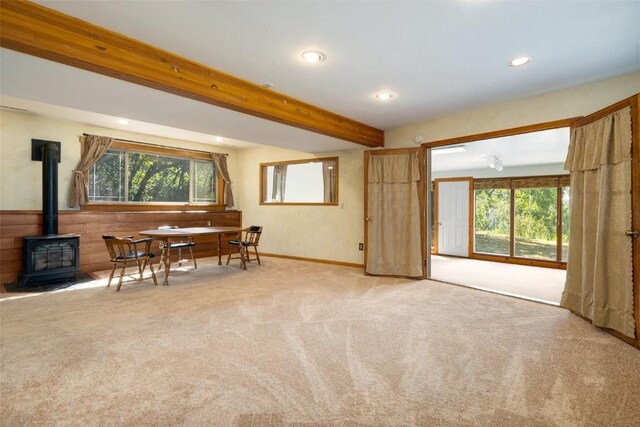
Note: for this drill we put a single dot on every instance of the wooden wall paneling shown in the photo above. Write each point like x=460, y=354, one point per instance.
x=39, y=31
x=92, y=225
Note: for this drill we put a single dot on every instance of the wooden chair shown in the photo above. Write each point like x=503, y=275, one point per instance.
x=251, y=239
x=188, y=243
x=125, y=250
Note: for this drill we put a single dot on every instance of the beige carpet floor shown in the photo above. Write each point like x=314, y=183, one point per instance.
x=535, y=283
x=301, y=344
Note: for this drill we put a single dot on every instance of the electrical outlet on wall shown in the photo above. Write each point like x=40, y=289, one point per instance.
x=361, y=246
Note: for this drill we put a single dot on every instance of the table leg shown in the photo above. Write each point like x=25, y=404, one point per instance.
x=219, y=250
x=167, y=262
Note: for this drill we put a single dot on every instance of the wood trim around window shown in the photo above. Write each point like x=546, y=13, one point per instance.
x=164, y=151
x=147, y=207
x=500, y=133
x=559, y=223
x=434, y=248
x=296, y=162
x=569, y=122
x=512, y=223
x=512, y=258
x=521, y=261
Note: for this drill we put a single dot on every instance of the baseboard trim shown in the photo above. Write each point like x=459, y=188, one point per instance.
x=320, y=261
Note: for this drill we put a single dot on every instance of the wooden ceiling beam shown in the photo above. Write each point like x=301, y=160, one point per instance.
x=39, y=31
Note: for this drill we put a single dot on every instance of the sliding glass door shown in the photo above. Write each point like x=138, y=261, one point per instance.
x=536, y=223
x=492, y=221
x=522, y=218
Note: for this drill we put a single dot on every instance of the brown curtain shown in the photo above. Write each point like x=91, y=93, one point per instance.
x=394, y=246
x=599, y=271
x=93, y=148
x=279, y=183
x=221, y=163
x=329, y=180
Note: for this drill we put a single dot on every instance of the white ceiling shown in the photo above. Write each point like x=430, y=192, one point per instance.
x=436, y=56
x=52, y=89
x=535, y=148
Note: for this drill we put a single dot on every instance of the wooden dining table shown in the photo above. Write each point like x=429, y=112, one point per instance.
x=165, y=235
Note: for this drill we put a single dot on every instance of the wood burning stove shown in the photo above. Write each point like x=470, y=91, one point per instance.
x=51, y=256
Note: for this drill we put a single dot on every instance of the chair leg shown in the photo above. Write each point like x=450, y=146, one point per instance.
x=255, y=248
x=113, y=270
x=228, y=257
x=179, y=257
x=162, y=255
x=195, y=264
x=140, y=268
x=244, y=255
x=153, y=275
x=124, y=266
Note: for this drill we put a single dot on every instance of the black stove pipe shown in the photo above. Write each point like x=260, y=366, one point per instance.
x=49, y=189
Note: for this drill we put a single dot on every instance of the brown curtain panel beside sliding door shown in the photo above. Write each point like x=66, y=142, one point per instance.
x=394, y=246
x=599, y=271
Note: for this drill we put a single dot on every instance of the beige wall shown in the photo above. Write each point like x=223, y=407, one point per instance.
x=577, y=101
x=331, y=232
x=322, y=232
x=20, y=177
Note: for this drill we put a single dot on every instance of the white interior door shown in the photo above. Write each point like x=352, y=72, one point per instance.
x=453, y=218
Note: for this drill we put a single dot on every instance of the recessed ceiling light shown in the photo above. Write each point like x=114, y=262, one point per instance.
x=219, y=139
x=313, y=56
x=518, y=62
x=384, y=96
x=123, y=121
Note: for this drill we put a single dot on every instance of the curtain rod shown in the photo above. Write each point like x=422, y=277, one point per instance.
x=160, y=145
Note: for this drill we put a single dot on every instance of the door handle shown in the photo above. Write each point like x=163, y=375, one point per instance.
x=632, y=233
